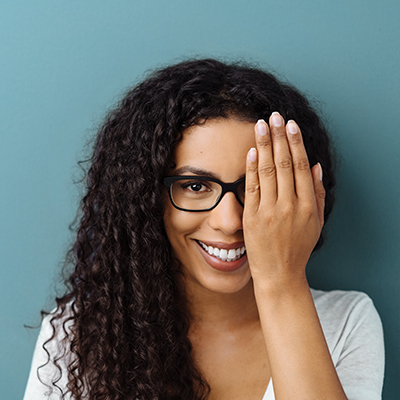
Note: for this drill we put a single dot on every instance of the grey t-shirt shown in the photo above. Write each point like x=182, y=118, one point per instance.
x=352, y=329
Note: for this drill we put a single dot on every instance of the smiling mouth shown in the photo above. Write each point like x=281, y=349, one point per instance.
x=227, y=255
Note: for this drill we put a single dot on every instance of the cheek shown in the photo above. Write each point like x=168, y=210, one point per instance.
x=181, y=225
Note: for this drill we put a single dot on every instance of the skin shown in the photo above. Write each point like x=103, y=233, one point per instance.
x=259, y=320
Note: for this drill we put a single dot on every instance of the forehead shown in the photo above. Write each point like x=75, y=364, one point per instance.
x=219, y=146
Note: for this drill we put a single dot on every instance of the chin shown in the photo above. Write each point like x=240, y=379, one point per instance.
x=218, y=281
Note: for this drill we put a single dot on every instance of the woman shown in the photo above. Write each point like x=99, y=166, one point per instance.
x=188, y=277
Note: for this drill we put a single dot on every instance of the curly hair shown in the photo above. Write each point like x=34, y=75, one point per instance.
x=126, y=315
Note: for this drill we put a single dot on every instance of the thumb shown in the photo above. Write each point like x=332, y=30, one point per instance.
x=319, y=191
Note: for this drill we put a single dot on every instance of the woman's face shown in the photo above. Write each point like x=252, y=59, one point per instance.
x=217, y=149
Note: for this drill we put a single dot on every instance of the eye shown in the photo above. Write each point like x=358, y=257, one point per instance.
x=196, y=186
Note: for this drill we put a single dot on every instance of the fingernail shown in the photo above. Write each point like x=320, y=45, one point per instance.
x=261, y=127
x=252, y=154
x=320, y=172
x=276, y=119
x=292, y=127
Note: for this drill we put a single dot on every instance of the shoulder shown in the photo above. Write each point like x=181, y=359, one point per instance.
x=353, y=331
x=55, y=330
x=339, y=302
x=344, y=312
x=339, y=308
x=51, y=358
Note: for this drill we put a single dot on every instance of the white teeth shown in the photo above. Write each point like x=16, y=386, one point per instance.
x=224, y=254
x=232, y=254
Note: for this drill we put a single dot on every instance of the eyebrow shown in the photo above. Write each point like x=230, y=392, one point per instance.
x=198, y=171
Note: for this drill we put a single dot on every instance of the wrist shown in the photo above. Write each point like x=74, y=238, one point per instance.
x=281, y=286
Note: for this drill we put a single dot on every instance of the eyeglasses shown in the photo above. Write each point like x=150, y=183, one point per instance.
x=198, y=193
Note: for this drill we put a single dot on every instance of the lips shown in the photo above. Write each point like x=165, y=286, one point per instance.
x=223, y=256
x=224, y=252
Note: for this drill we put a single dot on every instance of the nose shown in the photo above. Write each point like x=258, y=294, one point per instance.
x=227, y=216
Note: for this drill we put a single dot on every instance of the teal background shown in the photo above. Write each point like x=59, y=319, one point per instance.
x=64, y=63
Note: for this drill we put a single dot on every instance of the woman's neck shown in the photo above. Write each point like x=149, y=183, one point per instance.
x=211, y=310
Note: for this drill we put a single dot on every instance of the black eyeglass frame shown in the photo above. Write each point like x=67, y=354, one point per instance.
x=226, y=187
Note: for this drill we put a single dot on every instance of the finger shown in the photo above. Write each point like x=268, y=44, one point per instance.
x=282, y=157
x=252, y=196
x=266, y=165
x=301, y=167
x=319, y=191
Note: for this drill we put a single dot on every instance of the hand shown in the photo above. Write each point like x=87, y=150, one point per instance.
x=284, y=206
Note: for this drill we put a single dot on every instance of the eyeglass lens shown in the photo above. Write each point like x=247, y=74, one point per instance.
x=199, y=194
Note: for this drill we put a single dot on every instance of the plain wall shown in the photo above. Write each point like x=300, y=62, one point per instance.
x=64, y=63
